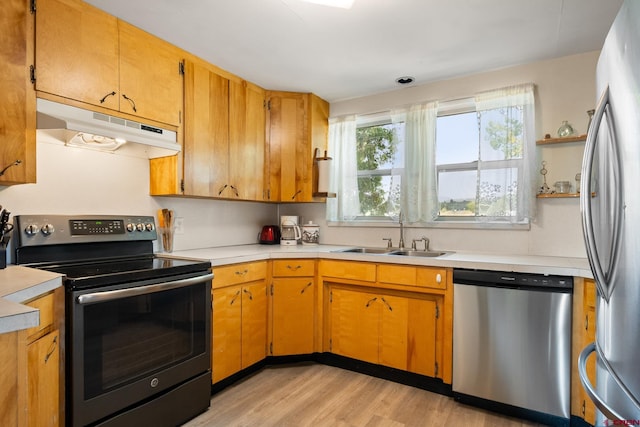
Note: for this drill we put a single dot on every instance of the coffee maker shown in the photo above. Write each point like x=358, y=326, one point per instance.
x=289, y=230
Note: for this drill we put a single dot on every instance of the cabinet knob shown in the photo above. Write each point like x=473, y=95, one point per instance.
x=438, y=278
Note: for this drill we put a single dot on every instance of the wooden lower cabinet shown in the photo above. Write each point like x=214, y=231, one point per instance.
x=584, y=333
x=398, y=331
x=293, y=301
x=43, y=367
x=31, y=368
x=239, y=326
x=293, y=317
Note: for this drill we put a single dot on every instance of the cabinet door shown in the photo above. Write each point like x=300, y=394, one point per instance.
x=293, y=316
x=289, y=153
x=77, y=52
x=393, y=331
x=17, y=98
x=254, y=323
x=246, y=139
x=43, y=371
x=150, y=79
x=206, y=132
x=226, y=332
x=421, y=337
x=589, y=309
x=355, y=318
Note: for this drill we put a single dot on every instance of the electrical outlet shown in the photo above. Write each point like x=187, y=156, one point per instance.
x=179, y=224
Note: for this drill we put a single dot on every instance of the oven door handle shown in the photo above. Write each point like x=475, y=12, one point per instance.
x=96, y=297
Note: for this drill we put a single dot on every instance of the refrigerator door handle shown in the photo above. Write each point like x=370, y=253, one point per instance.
x=602, y=406
x=601, y=278
x=591, y=392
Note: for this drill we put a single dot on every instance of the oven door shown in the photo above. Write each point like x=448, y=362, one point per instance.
x=129, y=343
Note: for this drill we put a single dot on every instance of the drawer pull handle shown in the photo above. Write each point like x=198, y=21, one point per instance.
x=305, y=288
x=294, y=267
x=371, y=301
x=242, y=273
x=387, y=304
x=586, y=322
x=52, y=348
x=248, y=293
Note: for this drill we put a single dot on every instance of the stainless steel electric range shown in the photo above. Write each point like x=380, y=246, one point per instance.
x=138, y=326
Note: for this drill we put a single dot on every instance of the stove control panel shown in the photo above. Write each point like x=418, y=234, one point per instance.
x=35, y=230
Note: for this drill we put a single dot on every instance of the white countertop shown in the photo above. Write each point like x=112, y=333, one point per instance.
x=565, y=266
x=20, y=284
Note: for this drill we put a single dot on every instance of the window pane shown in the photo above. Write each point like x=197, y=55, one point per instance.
x=501, y=131
x=457, y=138
x=379, y=195
x=498, y=192
x=380, y=152
x=457, y=193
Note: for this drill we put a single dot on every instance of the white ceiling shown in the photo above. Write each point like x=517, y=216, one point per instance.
x=341, y=54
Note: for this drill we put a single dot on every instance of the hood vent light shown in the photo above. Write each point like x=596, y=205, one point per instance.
x=88, y=129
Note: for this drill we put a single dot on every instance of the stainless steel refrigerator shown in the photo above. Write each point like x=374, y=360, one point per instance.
x=610, y=207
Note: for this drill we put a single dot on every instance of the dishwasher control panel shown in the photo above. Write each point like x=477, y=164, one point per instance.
x=512, y=279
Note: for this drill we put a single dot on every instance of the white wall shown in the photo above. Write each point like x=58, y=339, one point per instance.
x=565, y=91
x=77, y=181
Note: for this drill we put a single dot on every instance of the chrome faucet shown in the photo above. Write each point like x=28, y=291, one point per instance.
x=426, y=243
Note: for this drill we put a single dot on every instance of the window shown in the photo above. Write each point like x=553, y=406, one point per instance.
x=380, y=149
x=464, y=163
x=479, y=162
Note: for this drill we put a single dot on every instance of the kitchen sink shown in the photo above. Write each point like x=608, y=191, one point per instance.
x=367, y=250
x=394, y=251
x=428, y=254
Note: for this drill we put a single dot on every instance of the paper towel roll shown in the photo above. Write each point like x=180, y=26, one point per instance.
x=324, y=167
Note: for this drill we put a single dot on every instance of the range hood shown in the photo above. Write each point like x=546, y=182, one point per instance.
x=103, y=132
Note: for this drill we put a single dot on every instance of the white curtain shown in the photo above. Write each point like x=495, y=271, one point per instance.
x=419, y=185
x=506, y=118
x=344, y=174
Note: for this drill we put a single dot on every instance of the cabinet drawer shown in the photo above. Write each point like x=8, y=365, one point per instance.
x=46, y=306
x=293, y=267
x=413, y=276
x=349, y=270
x=239, y=273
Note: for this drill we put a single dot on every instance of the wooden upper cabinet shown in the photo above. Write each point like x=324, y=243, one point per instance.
x=87, y=55
x=246, y=139
x=297, y=125
x=17, y=97
x=150, y=76
x=206, y=131
x=224, y=139
x=77, y=52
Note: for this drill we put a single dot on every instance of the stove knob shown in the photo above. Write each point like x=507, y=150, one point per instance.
x=47, y=229
x=149, y=226
x=31, y=229
x=140, y=226
x=131, y=227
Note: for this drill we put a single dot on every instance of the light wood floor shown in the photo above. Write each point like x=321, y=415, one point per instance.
x=318, y=395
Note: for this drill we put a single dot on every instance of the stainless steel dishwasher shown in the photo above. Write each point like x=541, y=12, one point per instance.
x=512, y=343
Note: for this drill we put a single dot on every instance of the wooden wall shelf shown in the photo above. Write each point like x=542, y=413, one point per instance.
x=561, y=195
x=546, y=141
